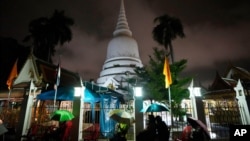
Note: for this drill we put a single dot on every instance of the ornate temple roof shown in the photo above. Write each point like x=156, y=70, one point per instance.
x=44, y=73
x=223, y=86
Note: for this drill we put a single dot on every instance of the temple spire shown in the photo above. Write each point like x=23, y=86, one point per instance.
x=122, y=27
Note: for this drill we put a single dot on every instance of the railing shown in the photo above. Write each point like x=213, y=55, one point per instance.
x=219, y=115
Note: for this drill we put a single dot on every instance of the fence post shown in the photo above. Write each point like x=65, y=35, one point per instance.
x=193, y=100
x=25, y=112
x=78, y=113
x=196, y=103
x=138, y=116
x=243, y=106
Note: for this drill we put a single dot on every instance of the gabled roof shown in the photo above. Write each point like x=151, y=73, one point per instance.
x=236, y=73
x=49, y=74
x=27, y=73
x=230, y=78
x=44, y=74
x=220, y=83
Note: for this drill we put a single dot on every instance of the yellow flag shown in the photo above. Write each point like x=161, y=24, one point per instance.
x=12, y=76
x=166, y=72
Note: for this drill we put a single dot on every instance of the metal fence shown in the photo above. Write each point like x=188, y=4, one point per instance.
x=219, y=114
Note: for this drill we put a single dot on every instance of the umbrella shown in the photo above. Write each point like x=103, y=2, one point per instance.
x=121, y=116
x=62, y=115
x=155, y=107
x=195, y=122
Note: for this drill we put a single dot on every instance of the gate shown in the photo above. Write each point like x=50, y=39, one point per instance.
x=220, y=114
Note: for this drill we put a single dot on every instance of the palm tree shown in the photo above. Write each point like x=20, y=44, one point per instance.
x=168, y=29
x=46, y=33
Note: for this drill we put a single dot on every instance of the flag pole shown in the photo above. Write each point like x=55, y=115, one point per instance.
x=9, y=97
x=57, y=84
x=55, y=97
x=58, y=75
x=170, y=110
x=168, y=82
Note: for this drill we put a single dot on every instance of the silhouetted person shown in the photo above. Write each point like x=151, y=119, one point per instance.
x=62, y=133
x=121, y=132
x=162, y=129
x=198, y=134
x=149, y=134
x=67, y=127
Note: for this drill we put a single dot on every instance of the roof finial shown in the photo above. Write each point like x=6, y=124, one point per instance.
x=122, y=24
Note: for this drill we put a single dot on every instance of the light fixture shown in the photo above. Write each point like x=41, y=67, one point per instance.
x=138, y=91
x=78, y=91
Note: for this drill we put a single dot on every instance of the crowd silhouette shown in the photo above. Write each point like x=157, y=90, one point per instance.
x=156, y=130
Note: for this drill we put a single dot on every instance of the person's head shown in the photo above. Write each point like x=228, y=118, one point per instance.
x=197, y=127
x=158, y=119
x=151, y=118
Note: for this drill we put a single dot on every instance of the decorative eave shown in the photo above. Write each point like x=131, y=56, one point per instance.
x=220, y=94
x=16, y=95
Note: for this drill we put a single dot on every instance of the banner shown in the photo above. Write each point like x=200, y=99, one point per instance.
x=166, y=72
x=12, y=76
x=107, y=125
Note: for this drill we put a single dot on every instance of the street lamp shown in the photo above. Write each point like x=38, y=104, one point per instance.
x=137, y=104
x=78, y=112
x=138, y=91
x=138, y=126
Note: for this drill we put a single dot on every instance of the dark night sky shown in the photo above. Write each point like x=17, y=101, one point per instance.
x=217, y=31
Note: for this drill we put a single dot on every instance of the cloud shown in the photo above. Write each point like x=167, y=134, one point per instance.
x=217, y=32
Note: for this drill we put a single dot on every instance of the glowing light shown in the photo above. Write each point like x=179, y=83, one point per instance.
x=138, y=91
